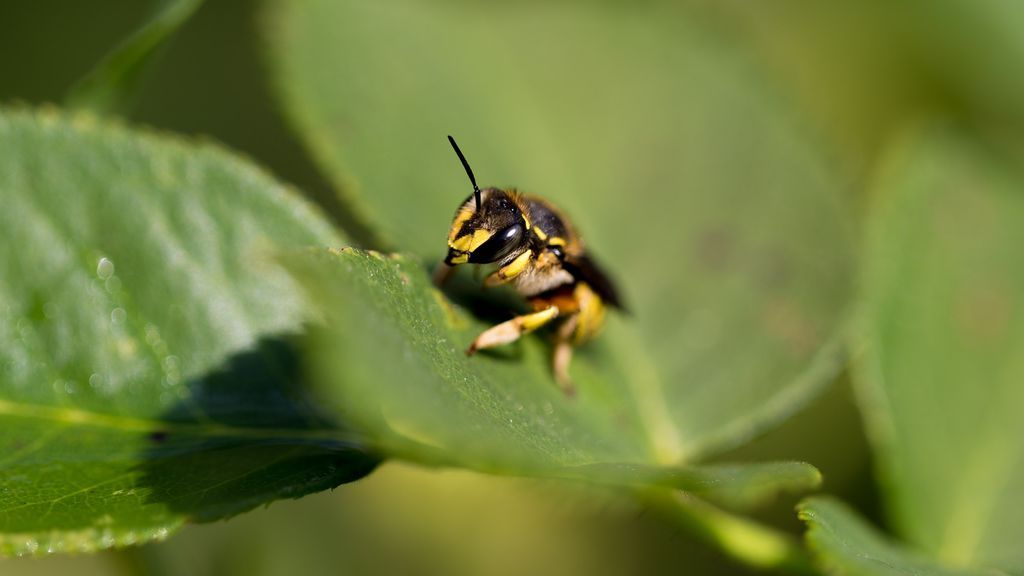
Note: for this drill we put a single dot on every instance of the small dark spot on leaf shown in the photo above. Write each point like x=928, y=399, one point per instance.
x=158, y=436
x=984, y=310
x=37, y=308
x=716, y=248
x=773, y=272
x=786, y=321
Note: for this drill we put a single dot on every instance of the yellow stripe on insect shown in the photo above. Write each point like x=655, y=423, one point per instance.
x=516, y=267
x=556, y=241
x=470, y=242
x=540, y=234
x=591, y=315
x=533, y=321
x=460, y=219
x=460, y=259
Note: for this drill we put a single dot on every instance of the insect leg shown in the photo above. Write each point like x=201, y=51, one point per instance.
x=510, y=270
x=563, y=354
x=511, y=330
x=442, y=273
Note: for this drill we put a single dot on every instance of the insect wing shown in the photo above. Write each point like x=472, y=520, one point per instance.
x=585, y=269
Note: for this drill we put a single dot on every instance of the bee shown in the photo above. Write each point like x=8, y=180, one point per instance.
x=537, y=250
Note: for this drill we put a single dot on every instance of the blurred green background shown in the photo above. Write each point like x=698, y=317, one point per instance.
x=859, y=70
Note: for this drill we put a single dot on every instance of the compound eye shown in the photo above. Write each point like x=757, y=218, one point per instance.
x=498, y=246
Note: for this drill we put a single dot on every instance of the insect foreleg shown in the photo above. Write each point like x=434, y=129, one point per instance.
x=562, y=354
x=511, y=330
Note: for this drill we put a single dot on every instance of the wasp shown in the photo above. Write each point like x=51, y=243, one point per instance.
x=536, y=249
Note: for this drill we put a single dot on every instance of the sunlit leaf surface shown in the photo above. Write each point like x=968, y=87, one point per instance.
x=686, y=174
x=390, y=356
x=147, y=372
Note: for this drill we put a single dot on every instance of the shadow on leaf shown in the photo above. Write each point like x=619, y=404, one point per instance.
x=247, y=433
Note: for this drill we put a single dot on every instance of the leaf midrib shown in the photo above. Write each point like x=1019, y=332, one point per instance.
x=75, y=416
x=661, y=434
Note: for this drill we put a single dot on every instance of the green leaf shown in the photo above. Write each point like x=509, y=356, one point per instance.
x=941, y=381
x=754, y=544
x=846, y=544
x=969, y=53
x=685, y=173
x=147, y=372
x=744, y=486
x=737, y=486
x=391, y=357
x=113, y=83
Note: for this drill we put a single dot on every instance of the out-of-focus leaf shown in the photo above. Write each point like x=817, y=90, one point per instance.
x=863, y=68
x=971, y=53
x=110, y=86
x=686, y=175
x=408, y=518
x=146, y=372
x=737, y=486
x=391, y=356
x=847, y=545
x=943, y=380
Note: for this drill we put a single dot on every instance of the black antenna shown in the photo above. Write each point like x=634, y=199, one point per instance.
x=469, y=171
